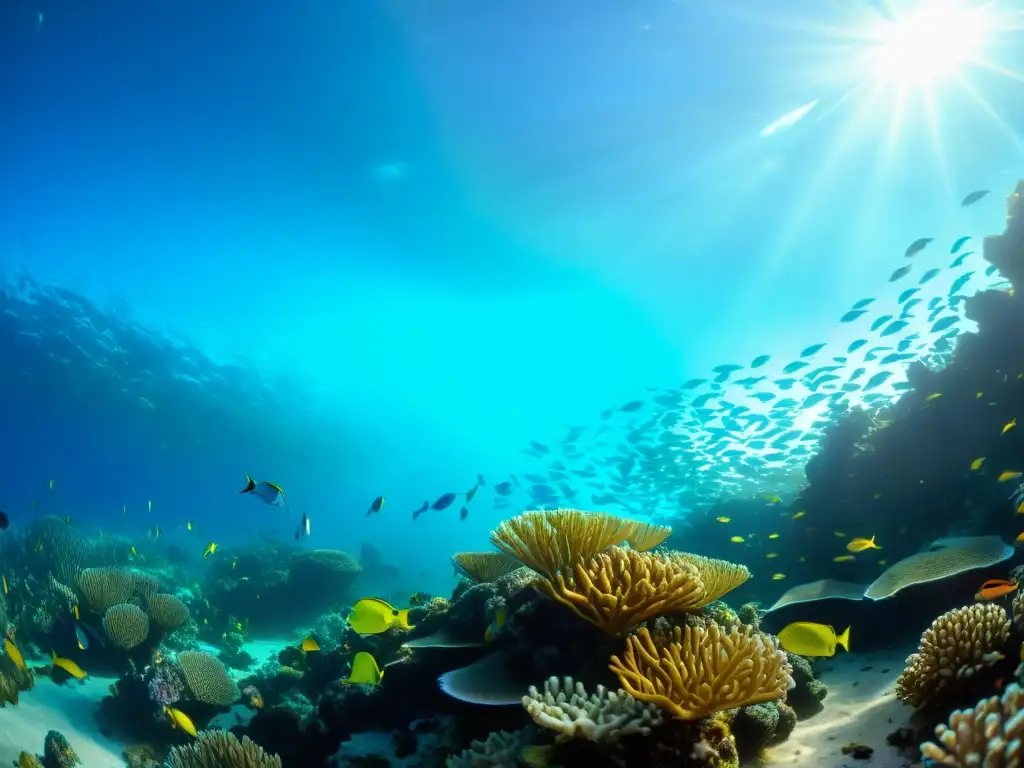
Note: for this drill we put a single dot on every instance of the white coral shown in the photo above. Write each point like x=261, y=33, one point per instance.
x=604, y=716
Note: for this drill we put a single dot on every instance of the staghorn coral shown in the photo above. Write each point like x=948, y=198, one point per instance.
x=126, y=625
x=500, y=750
x=221, y=749
x=988, y=735
x=550, y=541
x=718, y=576
x=484, y=567
x=57, y=753
x=167, y=611
x=207, y=679
x=955, y=646
x=605, y=716
x=621, y=588
x=703, y=671
x=102, y=588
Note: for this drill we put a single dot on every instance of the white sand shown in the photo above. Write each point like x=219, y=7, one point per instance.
x=68, y=708
x=859, y=708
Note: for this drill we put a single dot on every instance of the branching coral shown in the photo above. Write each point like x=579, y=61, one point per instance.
x=500, y=750
x=550, y=541
x=702, y=671
x=621, y=588
x=484, y=567
x=988, y=735
x=207, y=679
x=605, y=716
x=220, y=749
x=955, y=646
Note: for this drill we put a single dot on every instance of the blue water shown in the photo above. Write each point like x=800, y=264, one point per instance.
x=376, y=248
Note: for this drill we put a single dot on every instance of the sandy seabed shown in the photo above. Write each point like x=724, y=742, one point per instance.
x=860, y=708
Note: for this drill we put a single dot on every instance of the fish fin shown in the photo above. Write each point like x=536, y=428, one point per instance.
x=249, y=484
x=402, y=618
x=844, y=640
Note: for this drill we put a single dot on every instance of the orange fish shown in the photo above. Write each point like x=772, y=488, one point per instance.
x=995, y=588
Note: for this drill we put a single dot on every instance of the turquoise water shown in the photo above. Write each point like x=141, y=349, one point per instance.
x=377, y=250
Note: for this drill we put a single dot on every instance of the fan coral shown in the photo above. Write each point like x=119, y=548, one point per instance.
x=621, y=588
x=126, y=625
x=167, y=611
x=955, y=646
x=988, y=735
x=221, y=749
x=703, y=671
x=484, y=567
x=718, y=576
x=207, y=679
x=604, y=716
x=550, y=541
x=105, y=587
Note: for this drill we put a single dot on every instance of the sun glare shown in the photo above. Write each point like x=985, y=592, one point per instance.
x=930, y=45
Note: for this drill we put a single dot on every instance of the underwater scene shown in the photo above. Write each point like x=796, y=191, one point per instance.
x=451, y=384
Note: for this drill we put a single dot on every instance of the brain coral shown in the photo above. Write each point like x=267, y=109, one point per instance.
x=955, y=646
x=207, y=678
x=104, y=587
x=167, y=611
x=126, y=625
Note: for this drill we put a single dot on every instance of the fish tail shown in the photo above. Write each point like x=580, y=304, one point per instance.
x=249, y=484
x=844, y=640
x=402, y=619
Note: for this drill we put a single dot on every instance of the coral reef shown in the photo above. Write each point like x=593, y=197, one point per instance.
x=990, y=734
x=954, y=647
x=808, y=692
x=566, y=708
x=207, y=679
x=702, y=671
x=126, y=625
x=220, y=749
x=483, y=567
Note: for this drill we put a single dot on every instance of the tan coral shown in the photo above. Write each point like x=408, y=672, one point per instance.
x=956, y=645
x=620, y=588
x=221, y=749
x=647, y=536
x=719, y=576
x=990, y=734
x=703, y=671
x=484, y=567
x=550, y=541
x=565, y=707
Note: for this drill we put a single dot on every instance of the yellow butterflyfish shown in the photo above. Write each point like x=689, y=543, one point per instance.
x=806, y=638
x=180, y=720
x=976, y=464
x=723, y=519
x=6, y=590
x=69, y=666
x=210, y=549
x=371, y=616
x=12, y=650
x=1008, y=475
x=860, y=544
x=1009, y=425
x=737, y=539
x=309, y=645
x=364, y=670
x=773, y=535
x=778, y=576
x=799, y=514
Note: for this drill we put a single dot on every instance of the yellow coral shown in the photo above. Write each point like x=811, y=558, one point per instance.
x=549, y=541
x=126, y=625
x=645, y=536
x=620, y=588
x=484, y=567
x=957, y=644
x=207, y=678
x=718, y=576
x=221, y=749
x=703, y=671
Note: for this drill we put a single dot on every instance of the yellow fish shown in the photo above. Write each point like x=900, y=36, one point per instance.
x=364, y=670
x=6, y=590
x=371, y=616
x=860, y=544
x=69, y=666
x=309, y=645
x=210, y=549
x=844, y=559
x=1008, y=475
x=799, y=514
x=976, y=464
x=723, y=519
x=773, y=535
x=234, y=563
x=737, y=539
x=51, y=485
x=12, y=650
x=979, y=396
x=1009, y=425
x=806, y=638
x=75, y=611
x=188, y=525
x=778, y=576
x=771, y=555
x=133, y=551
x=180, y=720
x=771, y=498
x=933, y=396
x=498, y=624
